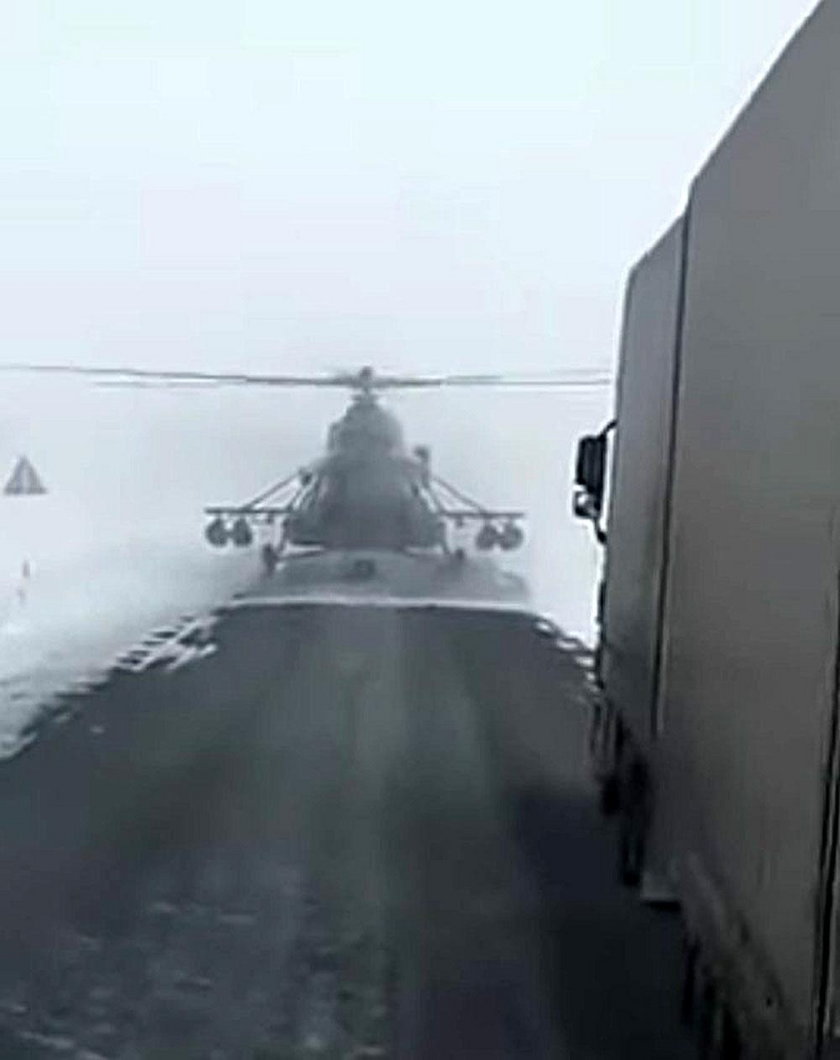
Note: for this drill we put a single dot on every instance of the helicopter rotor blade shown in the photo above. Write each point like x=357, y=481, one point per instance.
x=592, y=379
x=191, y=385
x=570, y=378
x=129, y=375
x=164, y=376
x=363, y=380
x=565, y=377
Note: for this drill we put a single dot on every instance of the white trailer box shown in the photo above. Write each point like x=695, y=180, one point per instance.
x=747, y=758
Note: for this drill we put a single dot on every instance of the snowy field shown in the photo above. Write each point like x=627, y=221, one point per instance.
x=115, y=547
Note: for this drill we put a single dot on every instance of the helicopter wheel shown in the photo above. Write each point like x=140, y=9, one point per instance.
x=270, y=558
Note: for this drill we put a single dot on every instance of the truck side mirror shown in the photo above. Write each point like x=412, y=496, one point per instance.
x=590, y=478
x=590, y=471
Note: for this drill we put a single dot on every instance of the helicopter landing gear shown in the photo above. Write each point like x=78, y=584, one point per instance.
x=269, y=558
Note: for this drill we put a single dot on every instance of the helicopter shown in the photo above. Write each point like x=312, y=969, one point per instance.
x=368, y=494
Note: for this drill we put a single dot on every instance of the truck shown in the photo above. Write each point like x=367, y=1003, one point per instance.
x=717, y=671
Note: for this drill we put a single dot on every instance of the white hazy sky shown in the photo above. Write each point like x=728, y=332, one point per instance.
x=322, y=183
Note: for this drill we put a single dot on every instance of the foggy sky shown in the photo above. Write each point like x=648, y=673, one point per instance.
x=317, y=184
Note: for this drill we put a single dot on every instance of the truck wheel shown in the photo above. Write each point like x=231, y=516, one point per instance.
x=730, y=1038
x=608, y=800
x=719, y=1036
x=631, y=851
x=635, y=812
x=707, y=1017
x=688, y=996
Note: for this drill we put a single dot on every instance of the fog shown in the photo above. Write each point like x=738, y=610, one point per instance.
x=310, y=187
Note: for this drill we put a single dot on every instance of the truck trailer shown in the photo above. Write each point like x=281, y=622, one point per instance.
x=717, y=672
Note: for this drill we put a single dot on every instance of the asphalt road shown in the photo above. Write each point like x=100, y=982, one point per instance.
x=349, y=833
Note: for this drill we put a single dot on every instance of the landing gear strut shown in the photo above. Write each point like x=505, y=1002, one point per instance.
x=269, y=557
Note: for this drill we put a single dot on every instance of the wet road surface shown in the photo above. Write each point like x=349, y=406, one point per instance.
x=348, y=833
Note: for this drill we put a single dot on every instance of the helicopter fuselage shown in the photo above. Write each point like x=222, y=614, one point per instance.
x=367, y=492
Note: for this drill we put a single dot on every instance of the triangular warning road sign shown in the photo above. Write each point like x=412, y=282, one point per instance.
x=24, y=479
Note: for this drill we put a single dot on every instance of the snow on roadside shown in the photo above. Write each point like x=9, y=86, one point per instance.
x=69, y=605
